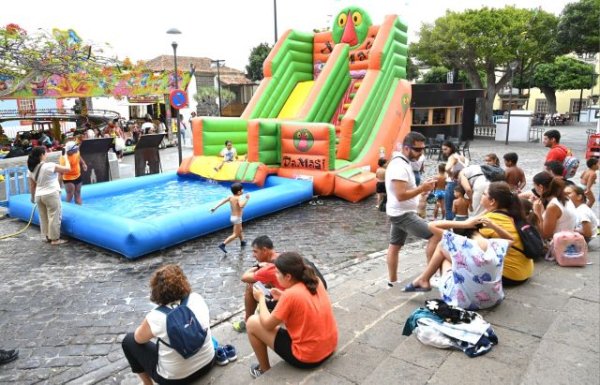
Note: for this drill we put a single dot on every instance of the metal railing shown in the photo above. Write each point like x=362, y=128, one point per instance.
x=15, y=183
x=50, y=113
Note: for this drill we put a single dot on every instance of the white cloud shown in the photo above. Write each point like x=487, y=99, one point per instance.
x=222, y=29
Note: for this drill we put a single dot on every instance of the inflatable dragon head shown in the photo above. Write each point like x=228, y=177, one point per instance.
x=351, y=26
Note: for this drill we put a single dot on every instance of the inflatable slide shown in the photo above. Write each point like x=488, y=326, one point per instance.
x=329, y=105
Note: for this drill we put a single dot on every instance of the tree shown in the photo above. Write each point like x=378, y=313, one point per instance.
x=25, y=57
x=207, y=100
x=564, y=74
x=578, y=27
x=257, y=57
x=412, y=71
x=488, y=40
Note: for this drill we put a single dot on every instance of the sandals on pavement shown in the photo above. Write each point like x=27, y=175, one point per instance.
x=412, y=288
x=58, y=242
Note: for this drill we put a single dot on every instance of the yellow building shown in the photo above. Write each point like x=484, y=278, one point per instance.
x=567, y=102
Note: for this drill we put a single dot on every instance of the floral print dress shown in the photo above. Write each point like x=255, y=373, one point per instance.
x=475, y=281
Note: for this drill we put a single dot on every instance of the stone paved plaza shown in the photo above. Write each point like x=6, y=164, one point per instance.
x=67, y=308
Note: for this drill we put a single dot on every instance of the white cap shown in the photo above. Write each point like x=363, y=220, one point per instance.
x=71, y=146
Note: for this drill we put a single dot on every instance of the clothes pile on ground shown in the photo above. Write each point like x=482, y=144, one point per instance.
x=445, y=326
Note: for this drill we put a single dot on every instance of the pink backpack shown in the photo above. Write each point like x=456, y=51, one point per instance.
x=569, y=248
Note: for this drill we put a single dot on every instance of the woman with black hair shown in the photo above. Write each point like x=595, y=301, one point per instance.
x=553, y=208
x=310, y=334
x=45, y=192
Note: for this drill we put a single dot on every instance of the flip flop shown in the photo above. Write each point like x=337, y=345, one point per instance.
x=58, y=242
x=411, y=288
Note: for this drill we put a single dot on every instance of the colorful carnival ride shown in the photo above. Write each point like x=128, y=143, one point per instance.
x=330, y=105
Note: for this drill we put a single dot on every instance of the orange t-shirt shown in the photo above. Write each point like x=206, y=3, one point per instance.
x=310, y=322
x=75, y=167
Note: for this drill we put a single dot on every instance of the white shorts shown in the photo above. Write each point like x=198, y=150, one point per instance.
x=235, y=220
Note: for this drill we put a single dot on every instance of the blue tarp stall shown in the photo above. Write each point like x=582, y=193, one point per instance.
x=135, y=238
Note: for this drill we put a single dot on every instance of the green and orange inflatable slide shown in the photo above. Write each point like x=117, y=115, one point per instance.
x=330, y=104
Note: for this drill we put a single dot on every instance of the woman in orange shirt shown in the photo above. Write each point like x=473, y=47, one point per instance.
x=310, y=335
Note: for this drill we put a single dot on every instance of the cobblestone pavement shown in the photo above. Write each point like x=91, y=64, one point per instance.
x=67, y=308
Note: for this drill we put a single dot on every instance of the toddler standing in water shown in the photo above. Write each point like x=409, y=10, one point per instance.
x=237, y=206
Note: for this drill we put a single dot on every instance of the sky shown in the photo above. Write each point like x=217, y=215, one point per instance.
x=221, y=29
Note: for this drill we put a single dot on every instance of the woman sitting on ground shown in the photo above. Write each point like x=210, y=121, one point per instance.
x=158, y=361
x=587, y=222
x=310, y=334
x=472, y=264
x=553, y=208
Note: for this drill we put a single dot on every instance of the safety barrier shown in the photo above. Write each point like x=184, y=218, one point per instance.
x=15, y=182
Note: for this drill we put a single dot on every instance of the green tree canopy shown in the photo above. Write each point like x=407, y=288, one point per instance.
x=487, y=40
x=257, y=57
x=564, y=73
x=24, y=57
x=207, y=100
x=578, y=27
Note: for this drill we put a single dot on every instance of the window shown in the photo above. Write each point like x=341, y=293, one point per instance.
x=439, y=116
x=541, y=106
x=574, y=105
x=26, y=105
x=420, y=116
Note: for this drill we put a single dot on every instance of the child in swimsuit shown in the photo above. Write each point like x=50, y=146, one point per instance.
x=460, y=205
x=440, y=191
x=380, y=186
x=588, y=179
x=237, y=206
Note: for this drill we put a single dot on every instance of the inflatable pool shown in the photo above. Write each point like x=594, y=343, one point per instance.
x=137, y=216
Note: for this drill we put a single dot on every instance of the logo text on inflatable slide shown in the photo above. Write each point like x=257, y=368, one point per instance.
x=311, y=162
x=303, y=140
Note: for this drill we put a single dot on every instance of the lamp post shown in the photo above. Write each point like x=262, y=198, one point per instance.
x=218, y=63
x=511, y=67
x=275, y=18
x=175, y=31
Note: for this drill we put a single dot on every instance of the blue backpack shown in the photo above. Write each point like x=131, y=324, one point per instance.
x=185, y=333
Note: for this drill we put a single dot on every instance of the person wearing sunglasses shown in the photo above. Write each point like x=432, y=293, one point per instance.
x=403, y=199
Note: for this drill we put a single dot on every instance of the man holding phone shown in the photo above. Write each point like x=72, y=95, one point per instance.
x=263, y=272
x=403, y=198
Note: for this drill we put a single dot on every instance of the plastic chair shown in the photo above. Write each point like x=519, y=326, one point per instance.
x=465, y=149
x=433, y=147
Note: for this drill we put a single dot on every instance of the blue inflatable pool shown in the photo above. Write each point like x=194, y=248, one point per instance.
x=137, y=216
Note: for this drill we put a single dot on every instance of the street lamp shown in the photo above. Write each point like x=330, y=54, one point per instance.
x=218, y=64
x=275, y=18
x=175, y=31
x=511, y=67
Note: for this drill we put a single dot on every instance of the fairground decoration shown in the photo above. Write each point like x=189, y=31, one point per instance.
x=108, y=81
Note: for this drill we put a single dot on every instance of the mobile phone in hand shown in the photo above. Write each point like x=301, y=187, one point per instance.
x=260, y=286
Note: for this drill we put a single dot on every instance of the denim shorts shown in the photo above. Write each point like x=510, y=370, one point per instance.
x=408, y=223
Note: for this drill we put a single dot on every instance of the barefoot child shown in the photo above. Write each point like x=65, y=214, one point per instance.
x=440, y=191
x=229, y=154
x=588, y=179
x=460, y=205
x=515, y=177
x=380, y=186
x=237, y=207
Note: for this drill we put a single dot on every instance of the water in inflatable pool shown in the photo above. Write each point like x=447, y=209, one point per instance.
x=175, y=195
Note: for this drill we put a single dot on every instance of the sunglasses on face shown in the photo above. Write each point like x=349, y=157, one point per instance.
x=417, y=149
